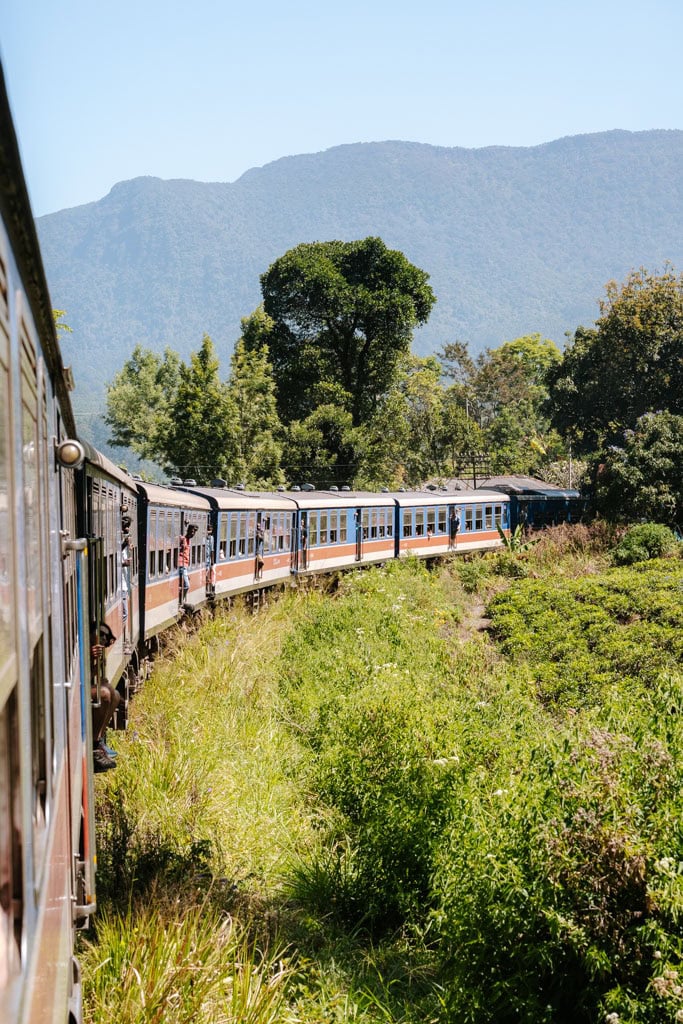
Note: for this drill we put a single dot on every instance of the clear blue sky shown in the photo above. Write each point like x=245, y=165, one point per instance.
x=206, y=89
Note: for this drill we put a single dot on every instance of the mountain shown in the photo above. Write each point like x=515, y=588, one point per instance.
x=515, y=240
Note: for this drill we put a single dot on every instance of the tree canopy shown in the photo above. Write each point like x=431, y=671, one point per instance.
x=343, y=313
x=642, y=478
x=631, y=363
x=183, y=417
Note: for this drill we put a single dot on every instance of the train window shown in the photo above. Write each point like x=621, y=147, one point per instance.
x=6, y=571
x=343, y=524
x=489, y=516
x=241, y=537
x=177, y=527
x=267, y=533
x=373, y=524
x=169, y=540
x=407, y=522
x=251, y=533
x=441, y=519
x=234, y=526
x=31, y=510
x=222, y=535
x=419, y=522
x=38, y=741
x=281, y=531
x=11, y=886
x=390, y=522
x=334, y=531
x=323, y=527
x=431, y=520
x=312, y=529
x=365, y=520
x=152, y=542
x=478, y=518
x=468, y=519
x=498, y=515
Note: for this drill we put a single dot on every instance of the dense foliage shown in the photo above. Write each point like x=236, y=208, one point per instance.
x=531, y=813
x=630, y=364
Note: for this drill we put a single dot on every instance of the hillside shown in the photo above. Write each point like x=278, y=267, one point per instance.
x=516, y=240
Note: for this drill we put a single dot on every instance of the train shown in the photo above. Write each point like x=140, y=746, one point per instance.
x=95, y=565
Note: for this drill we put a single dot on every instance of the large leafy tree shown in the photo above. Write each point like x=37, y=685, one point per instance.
x=642, y=477
x=343, y=314
x=140, y=401
x=631, y=363
x=503, y=391
x=200, y=439
x=257, y=451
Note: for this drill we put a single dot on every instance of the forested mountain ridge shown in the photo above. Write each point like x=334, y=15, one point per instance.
x=515, y=240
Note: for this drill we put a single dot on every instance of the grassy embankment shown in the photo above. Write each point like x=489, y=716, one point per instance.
x=361, y=807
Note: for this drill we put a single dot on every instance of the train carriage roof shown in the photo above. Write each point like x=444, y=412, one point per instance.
x=340, y=499
x=173, y=497
x=108, y=467
x=410, y=499
x=230, y=499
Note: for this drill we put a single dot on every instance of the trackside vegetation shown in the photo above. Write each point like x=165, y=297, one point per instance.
x=448, y=795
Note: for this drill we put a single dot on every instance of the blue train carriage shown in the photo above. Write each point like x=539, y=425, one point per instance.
x=536, y=504
x=253, y=539
x=46, y=846
x=431, y=524
x=337, y=529
x=164, y=517
x=108, y=510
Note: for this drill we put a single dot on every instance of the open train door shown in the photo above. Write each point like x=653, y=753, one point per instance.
x=358, y=519
x=453, y=527
x=299, y=541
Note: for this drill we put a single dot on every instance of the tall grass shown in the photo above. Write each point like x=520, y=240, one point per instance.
x=360, y=807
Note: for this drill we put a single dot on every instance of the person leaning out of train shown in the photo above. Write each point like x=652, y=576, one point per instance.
x=184, y=545
x=109, y=698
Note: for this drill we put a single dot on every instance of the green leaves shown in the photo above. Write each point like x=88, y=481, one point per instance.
x=343, y=312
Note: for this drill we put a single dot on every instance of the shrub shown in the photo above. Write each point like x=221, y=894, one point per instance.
x=645, y=541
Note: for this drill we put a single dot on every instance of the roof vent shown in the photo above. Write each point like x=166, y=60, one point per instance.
x=136, y=476
x=239, y=487
x=307, y=487
x=281, y=487
x=431, y=487
x=218, y=483
x=190, y=482
x=295, y=488
x=402, y=490
x=385, y=490
x=346, y=487
x=334, y=487
x=175, y=481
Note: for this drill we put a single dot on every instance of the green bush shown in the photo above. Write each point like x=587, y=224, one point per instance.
x=644, y=541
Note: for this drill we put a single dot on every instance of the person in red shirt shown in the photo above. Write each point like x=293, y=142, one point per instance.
x=184, y=546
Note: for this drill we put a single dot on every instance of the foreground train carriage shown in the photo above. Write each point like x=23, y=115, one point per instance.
x=46, y=847
x=164, y=517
